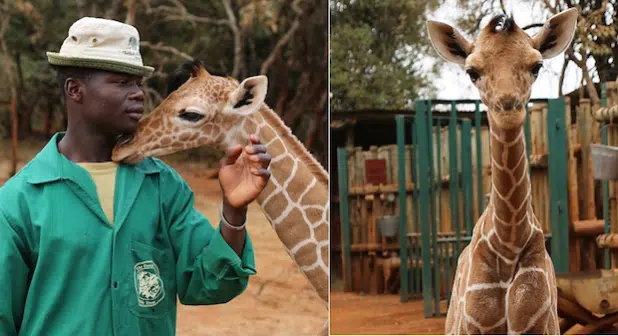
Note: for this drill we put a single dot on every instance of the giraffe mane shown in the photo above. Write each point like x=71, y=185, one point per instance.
x=298, y=149
x=501, y=23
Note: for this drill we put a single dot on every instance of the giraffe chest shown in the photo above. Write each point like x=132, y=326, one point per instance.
x=499, y=296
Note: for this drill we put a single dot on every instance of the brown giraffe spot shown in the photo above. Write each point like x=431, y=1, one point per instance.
x=267, y=134
x=289, y=230
x=276, y=148
x=194, y=136
x=301, y=189
x=516, y=152
x=527, y=296
x=208, y=129
x=250, y=126
x=185, y=136
x=165, y=141
x=319, y=278
x=154, y=124
x=269, y=189
x=480, y=302
x=281, y=170
x=306, y=255
x=321, y=232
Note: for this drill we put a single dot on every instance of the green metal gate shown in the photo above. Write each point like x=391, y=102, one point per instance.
x=429, y=261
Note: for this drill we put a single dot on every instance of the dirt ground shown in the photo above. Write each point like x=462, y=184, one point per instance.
x=278, y=300
x=353, y=314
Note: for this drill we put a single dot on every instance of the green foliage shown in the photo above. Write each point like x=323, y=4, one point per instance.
x=199, y=29
x=375, y=51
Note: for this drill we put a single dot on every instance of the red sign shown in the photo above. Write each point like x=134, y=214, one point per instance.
x=375, y=171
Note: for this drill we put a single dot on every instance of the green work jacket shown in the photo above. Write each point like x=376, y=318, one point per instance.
x=67, y=271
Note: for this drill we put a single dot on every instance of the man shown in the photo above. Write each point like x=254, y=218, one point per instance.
x=91, y=247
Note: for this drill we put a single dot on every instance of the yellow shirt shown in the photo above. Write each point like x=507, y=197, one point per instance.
x=104, y=176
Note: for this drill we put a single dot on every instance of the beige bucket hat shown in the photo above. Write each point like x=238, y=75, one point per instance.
x=101, y=44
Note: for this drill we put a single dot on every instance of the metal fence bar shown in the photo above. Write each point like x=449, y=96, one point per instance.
x=479, y=158
x=423, y=183
x=466, y=175
x=558, y=192
x=342, y=165
x=403, y=231
x=417, y=249
x=432, y=206
x=454, y=172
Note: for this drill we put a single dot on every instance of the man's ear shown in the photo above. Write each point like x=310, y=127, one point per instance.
x=73, y=89
x=556, y=34
x=249, y=95
x=448, y=42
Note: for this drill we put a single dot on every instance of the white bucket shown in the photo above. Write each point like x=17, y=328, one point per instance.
x=604, y=162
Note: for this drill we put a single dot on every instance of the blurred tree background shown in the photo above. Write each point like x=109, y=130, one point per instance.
x=287, y=40
x=377, y=51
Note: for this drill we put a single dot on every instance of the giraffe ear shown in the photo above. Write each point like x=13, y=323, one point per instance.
x=556, y=34
x=448, y=42
x=249, y=95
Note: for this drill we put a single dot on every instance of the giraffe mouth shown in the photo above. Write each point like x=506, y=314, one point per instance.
x=127, y=157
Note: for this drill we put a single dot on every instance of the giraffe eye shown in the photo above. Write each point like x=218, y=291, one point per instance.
x=535, y=70
x=473, y=74
x=191, y=116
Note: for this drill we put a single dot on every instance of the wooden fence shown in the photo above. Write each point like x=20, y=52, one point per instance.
x=374, y=260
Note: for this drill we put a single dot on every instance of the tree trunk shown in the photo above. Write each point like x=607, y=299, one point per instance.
x=14, y=132
x=130, y=19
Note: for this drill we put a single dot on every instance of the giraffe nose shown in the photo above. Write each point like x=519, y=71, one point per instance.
x=509, y=104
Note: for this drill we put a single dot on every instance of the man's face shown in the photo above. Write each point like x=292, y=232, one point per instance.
x=113, y=102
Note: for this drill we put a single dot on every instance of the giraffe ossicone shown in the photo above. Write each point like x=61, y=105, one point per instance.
x=505, y=280
x=220, y=113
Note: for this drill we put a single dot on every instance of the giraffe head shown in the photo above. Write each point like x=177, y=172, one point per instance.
x=206, y=111
x=503, y=61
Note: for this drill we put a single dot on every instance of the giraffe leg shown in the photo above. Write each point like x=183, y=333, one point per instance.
x=531, y=304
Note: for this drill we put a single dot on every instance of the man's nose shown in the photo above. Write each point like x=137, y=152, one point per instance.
x=138, y=94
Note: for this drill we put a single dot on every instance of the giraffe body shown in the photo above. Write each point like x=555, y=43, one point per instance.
x=505, y=280
x=220, y=113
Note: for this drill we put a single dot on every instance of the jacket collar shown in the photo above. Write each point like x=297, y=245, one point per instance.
x=50, y=165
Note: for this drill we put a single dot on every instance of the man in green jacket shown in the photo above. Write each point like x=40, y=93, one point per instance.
x=91, y=247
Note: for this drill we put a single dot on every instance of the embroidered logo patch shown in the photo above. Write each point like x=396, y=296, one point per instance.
x=148, y=284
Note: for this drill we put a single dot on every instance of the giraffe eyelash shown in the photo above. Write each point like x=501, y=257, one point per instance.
x=191, y=116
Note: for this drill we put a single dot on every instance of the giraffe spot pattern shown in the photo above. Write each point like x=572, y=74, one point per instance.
x=290, y=233
x=280, y=174
x=307, y=254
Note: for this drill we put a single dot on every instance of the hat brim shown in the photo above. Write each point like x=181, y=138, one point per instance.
x=101, y=64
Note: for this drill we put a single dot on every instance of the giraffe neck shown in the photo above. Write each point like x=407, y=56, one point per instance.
x=510, y=206
x=295, y=199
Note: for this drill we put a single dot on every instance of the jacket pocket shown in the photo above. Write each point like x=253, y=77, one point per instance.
x=153, y=282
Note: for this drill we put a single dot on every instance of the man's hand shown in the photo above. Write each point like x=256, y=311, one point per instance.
x=243, y=175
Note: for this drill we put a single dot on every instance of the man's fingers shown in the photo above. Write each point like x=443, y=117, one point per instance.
x=232, y=155
x=255, y=149
x=261, y=172
x=254, y=139
x=262, y=158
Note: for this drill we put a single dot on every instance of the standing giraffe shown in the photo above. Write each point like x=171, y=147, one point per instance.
x=505, y=279
x=220, y=113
